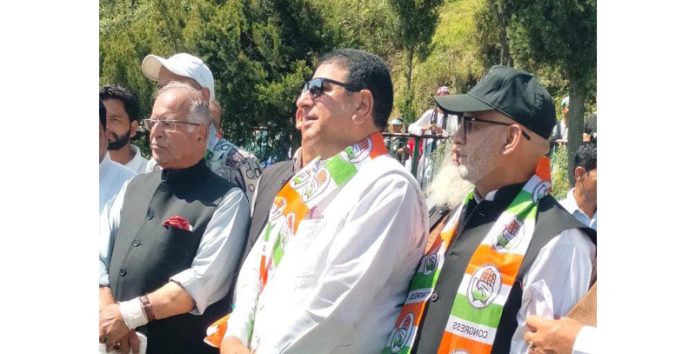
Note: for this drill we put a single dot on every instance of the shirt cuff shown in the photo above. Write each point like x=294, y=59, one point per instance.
x=584, y=342
x=187, y=279
x=103, y=277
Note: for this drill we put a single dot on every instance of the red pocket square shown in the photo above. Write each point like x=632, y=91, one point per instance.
x=178, y=222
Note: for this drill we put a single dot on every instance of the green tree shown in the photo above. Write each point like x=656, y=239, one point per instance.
x=260, y=53
x=416, y=22
x=263, y=74
x=560, y=34
x=371, y=25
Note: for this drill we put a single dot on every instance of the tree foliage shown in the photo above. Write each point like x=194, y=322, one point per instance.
x=416, y=21
x=455, y=57
x=562, y=35
x=261, y=51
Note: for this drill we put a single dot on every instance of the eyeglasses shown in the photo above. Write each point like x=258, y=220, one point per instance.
x=468, y=125
x=317, y=86
x=168, y=125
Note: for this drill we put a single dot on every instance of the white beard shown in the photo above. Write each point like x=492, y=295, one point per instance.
x=447, y=188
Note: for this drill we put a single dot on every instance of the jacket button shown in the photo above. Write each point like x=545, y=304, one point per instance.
x=135, y=243
x=434, y=297
x=149, y=215
x=122, y=272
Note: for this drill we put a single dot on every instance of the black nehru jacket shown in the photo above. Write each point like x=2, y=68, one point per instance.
x=146, y=254
x=476, y=220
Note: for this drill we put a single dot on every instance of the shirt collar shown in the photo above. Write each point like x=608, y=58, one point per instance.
x=503, y=195
x=213, y=137
x=104, y=163
x=570, y=204
x=185, y=175
x=136, y=149
x=489, y=196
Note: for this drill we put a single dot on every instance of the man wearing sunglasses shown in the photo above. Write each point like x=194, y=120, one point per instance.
x=510, y=249
x=346, y=232
x=170, y=240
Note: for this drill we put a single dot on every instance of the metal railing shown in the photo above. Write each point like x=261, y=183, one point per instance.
x=428, y=143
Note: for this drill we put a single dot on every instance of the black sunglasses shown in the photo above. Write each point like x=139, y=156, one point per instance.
x=317, y=86
x=468, y=122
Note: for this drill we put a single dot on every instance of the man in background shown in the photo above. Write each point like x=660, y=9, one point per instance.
x=434, y=120
x=560, y=131
x=122, y=119
x=112, y=175
x=581, y=200
x=398, y=146
x=590, y=129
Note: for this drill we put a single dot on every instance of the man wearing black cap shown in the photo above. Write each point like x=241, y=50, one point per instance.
x=510, y=250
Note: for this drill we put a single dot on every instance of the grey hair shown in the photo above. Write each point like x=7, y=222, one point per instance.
x=198, y=111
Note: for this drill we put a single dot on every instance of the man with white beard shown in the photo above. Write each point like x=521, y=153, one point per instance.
x=444, y=193
x=509, y=250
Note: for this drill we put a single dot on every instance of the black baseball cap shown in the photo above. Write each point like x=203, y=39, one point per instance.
x=512, y=92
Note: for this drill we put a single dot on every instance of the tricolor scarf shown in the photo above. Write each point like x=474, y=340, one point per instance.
x=488, y=279
x=308, y=192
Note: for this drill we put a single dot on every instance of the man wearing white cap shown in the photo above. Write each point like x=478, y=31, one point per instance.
x=224, y=158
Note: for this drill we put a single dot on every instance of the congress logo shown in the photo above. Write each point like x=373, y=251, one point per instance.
x=358, y=151
x=509, y=232
x=317, y=185
x=428, y=264
x=401, y=334
x=301, y=178
x=540, y=190
x=484, y=286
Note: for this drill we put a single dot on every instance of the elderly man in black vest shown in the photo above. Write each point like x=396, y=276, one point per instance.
x=170, y=240
x=510, y=249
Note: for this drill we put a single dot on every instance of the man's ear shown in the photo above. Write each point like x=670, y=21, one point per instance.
x=579, y=173
x=513, y=138
x=133, y=128
x=365, y=104
x=202, y=134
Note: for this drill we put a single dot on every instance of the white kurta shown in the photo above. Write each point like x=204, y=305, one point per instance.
x=340, y=284
x=557, y=279
x=138, y=163
x=112, y=175
x=425, y=118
